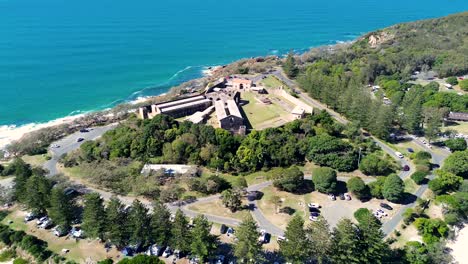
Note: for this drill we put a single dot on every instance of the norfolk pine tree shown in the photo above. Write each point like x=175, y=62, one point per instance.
x=319, y=240
x=203, y=242
x=180, y=234
x=247, y=249
x=293, y=247
x=62, y=208
x=116, y=216
x=94, y=216
x=160, y=224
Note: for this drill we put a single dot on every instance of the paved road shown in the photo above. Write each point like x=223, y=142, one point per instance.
x=438, y=154
x=69, y=143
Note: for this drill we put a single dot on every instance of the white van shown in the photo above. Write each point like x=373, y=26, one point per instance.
x=399, y=155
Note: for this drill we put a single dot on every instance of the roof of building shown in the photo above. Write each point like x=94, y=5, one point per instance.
x=220, y=109
x=186, y=105
x=298, y=110
x=233, y=108
x=241, y=81
x=180, y=101
x=168, y=168
x=225, y=109
x=458, y=116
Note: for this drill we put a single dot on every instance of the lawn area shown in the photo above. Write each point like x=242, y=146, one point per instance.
x=402, y=147
x=253, y=178
x=80, y=250
x=460, y=127
x=258, y=113
x=217, y=208
x=36, y=160
x=410, y=186
x=272, y=82
x=295, y=201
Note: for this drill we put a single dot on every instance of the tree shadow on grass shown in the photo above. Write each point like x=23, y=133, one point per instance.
x=307, y=187
x=341, y=187
x=408, y=198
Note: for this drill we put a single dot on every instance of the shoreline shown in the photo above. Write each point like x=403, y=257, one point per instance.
x=10, y=133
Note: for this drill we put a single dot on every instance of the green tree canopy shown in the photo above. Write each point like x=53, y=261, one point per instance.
x=373, y=164
x=62, y=208
x=357, y=186
x=160, y=224
x=203, y=243
x=293, y=247
x=393, y=188
x=290, y=180
x=324, y=179
x=456, y=144
x=94, y=216
x=247, y=249
x=319, y=240
x=180, y=235
x=457, y=163
x=231, y=199
x=117, y=218
x=37, y=193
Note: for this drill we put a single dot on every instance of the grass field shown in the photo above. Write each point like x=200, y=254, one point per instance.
x=460, y=127
x=36, y=160
x=258, y=113
x=272, y=82
x=297, y=202
x=217, y=208
x=80, y=250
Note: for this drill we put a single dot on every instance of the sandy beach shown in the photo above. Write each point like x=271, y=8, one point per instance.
x=11, y=133
x=459, y=246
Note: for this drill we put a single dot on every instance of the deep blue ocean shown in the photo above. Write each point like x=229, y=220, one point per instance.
x=64, y=57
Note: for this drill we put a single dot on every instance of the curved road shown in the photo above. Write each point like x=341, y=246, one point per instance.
x=70, y=143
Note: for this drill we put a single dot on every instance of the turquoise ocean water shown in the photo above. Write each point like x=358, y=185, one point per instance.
x=64, y=57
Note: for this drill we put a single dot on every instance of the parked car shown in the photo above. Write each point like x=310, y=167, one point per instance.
x=230, y=231
x=332, y=196
x=80, y=140
x=313, y=209
x=382, y=212
x=347, y=197
x=178, y=254
x=264, y=237
x=313, y=218
x=46, y=224
x=313, y=205
x=220, y=259
x=127, y=251
x=76, y=232
x=84, y=130
x=280, y=238
x=167, y=252
x=30, y=216
x=155, y=250
x=399, y=155
x=386, y=206
x=342, y=197
x=60, y=231
x=406, y=168
x=41, y=220
x=223, y=229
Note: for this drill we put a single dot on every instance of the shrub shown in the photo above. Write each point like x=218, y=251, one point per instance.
x=20, y=261
x=324, y=179
x=7, y=255
x=456, y=144
x=374, y=165
x=357, y=186
x=361, y=214
x=376, y=188
x=423, y=155
x=452, y=80
x=418, y=177
x=408, y=216
x=451, y=219
x=106, y=261
x=463, y=85
x=393, y=188
x=431, y=229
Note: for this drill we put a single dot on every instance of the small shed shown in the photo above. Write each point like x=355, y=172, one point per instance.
x=298, y=112
x=458, y=116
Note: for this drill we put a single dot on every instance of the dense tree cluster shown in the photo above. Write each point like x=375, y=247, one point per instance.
x=347, y=243
x=338, y=78
x=115, y=161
